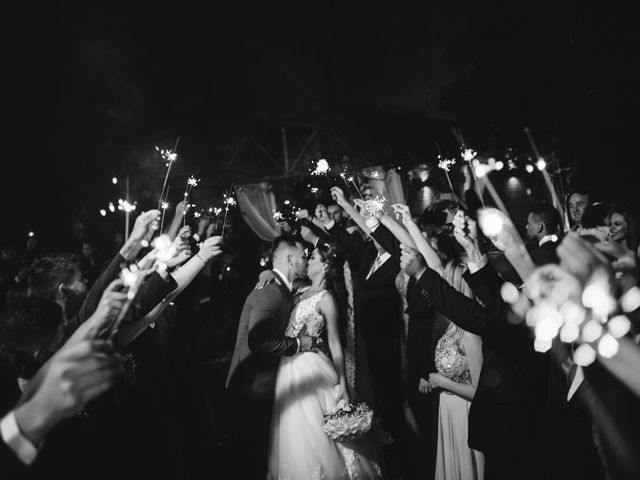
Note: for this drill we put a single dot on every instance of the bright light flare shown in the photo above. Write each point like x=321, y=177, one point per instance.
x=322, y=167
x=584, y=355
x=541, y=164
x=468, y=154
x=491, y=223
x=608, y=346
x=114, y=180
x=619, y=326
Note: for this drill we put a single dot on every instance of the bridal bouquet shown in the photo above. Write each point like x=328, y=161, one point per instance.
x=347, y=421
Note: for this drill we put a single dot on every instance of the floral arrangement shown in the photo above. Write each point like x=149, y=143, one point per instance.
x=348, y=422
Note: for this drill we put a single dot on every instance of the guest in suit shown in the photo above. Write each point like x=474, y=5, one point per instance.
x=543, y=228
x=260, y=343
x=576, y=205
x=375, y=264
x=561, y=445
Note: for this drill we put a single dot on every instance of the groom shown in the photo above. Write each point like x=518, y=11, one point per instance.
x=259, y=345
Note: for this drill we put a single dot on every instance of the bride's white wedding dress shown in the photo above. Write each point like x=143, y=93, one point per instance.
x=306, y=390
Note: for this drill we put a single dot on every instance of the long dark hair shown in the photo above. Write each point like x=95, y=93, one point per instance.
x=332, y=256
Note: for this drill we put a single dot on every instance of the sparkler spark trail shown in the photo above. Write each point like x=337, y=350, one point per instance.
x=322, y=167
x=229, y=201
x=446, y=164
x=169, y=156
x=191, y=183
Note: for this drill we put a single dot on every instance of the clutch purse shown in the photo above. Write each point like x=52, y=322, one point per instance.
x=347, y=421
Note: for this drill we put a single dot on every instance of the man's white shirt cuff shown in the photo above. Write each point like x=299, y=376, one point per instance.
x=479, y=265
x=15, y=440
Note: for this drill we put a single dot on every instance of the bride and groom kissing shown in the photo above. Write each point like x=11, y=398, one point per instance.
x=286, y=379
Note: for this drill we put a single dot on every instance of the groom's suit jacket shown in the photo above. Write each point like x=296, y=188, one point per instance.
x=261, y=342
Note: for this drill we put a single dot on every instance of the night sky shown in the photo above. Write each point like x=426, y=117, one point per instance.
x=94, y=88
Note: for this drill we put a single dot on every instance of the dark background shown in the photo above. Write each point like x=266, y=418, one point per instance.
x=93, y=88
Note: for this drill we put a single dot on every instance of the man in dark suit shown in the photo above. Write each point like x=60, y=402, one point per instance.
x=543, y=227
x=426, y=326
x=260, y=343
x=375, y=265
x=504, y=410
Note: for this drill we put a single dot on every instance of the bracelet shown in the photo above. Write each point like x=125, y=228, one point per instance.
x=198, y=255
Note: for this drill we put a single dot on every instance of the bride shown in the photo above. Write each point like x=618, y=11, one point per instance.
x=310, y=384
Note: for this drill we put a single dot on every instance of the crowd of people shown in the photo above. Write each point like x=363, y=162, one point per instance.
x=483, y=355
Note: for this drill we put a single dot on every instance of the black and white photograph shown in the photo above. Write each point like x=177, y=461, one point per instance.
x=320, y=241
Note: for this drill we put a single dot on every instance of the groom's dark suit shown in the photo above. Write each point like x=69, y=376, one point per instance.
x=254, y=366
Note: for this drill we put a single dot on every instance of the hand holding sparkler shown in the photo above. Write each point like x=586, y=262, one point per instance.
x=582, y=259
x=375, y=207
x=108, y=309
x=338, y=195
x=322, y=214
x=210, y=248
x=302, y=214
x=498, y=228
x=402, y=211
x=144, y=228
x=465, y=231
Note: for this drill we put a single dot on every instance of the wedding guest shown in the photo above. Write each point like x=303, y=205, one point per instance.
x=543, y=227
x=577, y=203
x=336, y=213
x=623, y=228
x=377, y=308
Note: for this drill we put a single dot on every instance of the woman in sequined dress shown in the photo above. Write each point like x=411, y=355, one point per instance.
x=310, y=384
x=458, y=360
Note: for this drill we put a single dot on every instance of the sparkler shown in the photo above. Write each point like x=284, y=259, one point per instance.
x=541, y=164
x=191, y=183
x=446, y=164
x=169, y=156
x=229, y=201
x=468, y=156
x=132, y=278
x=322, y=167
x=350, y=179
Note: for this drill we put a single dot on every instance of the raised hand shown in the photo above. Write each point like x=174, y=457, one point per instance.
x=403, y=211
x=181, y=209
x=322, y=214
x=465, y=231
x=373, y=208
x=210, y=248
x=303, y=214
x=408, y=255
x=145, y=226
x=75, y=375
x=582, y=259
x=338, y=195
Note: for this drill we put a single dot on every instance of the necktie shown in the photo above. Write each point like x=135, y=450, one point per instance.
x=376, y=264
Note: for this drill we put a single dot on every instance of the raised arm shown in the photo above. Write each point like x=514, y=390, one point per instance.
x=424, y=247
x=397, y=230
x=178, y=215
x=338, y=196
x=145, y=226
x=182, y=277
x=511, y=340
